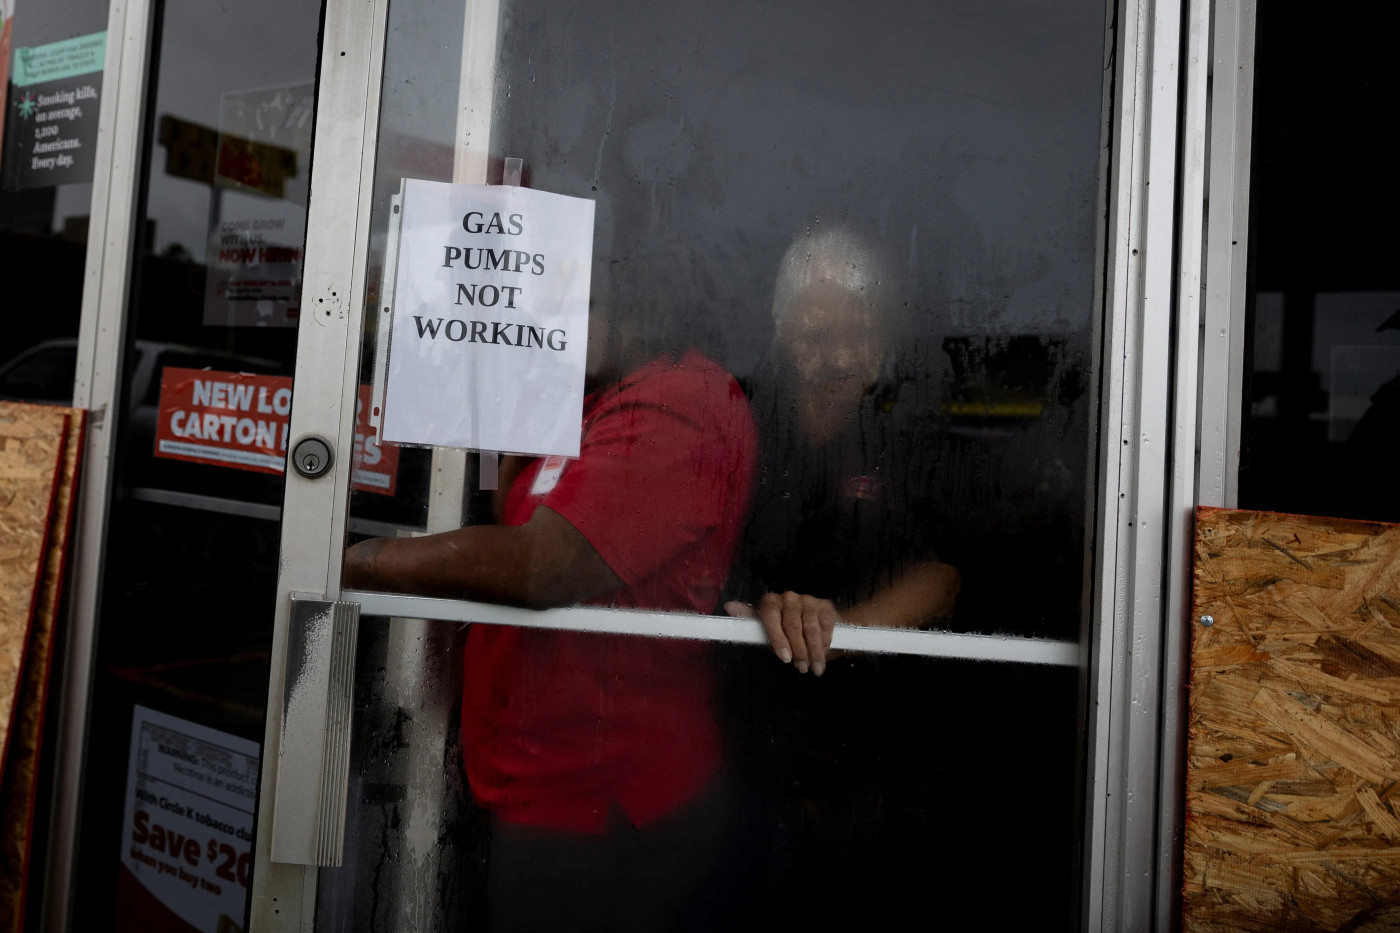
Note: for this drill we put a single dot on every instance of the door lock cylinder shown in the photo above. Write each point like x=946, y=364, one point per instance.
x=312, y=456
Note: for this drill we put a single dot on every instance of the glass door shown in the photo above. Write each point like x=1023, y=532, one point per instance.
x=801, y=632
x=169, y=618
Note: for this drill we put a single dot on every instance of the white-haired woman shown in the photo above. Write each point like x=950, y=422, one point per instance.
x=841, y=530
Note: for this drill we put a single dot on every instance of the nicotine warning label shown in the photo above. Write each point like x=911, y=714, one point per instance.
x=490, y=319
x=51, y=112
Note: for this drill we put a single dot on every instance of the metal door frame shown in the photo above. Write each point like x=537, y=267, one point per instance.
x=1125, y=650
x=111, y=254
x=1135, y=442
x=1173, y=377
x=1170, y=362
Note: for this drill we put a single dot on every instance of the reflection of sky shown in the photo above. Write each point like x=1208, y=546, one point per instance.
x=961, y=137
x=1356, y=374
x=209, y=50
x=45, y=21
x=1351, y=355
x=1351, y=319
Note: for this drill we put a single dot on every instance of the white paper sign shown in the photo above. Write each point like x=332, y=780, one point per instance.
x=187, y=835
x=490, y=325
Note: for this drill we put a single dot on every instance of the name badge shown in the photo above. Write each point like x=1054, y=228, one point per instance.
x=548, y=476
x=869, y=488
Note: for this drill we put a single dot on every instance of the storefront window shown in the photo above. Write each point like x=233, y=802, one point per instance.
x=842, y=313
x=1322, y=384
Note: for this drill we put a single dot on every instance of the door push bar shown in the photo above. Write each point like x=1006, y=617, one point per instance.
x=308, y=822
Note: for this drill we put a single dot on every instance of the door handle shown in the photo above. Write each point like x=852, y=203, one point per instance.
x=313, y=761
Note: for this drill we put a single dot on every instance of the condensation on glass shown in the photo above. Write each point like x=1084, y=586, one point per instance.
x=883, y=223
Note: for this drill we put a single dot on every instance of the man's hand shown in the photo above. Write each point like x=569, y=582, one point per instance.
x=543, y=563
x=799, y=627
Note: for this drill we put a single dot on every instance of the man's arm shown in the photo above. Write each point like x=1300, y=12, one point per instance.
x=543, y=563
x=799, y=626
x=509, y=469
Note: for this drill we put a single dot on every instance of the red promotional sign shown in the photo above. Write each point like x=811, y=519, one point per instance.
x=376, y=464
x=241, y=420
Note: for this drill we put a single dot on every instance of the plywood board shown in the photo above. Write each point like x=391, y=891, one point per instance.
x=1293, y=768
x=19, y=785
x=31, y=452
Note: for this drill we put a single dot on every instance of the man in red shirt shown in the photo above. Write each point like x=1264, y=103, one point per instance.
x=597, y=755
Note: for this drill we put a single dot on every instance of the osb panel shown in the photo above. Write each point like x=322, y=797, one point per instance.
x=19, y=784
x=1293, y=769
x=31, y=447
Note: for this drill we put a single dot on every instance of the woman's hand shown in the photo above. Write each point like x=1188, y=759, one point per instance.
x=799, y=627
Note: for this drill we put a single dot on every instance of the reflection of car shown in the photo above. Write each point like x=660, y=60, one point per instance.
x=44, y=374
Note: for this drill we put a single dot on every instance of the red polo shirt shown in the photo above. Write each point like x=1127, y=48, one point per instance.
x=558, y=726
